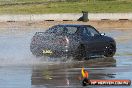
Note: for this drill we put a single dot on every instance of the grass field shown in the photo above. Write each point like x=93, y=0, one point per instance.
x=69, y=6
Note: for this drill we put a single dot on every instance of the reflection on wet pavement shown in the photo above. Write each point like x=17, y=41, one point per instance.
x=57, y=75
x=19, y=69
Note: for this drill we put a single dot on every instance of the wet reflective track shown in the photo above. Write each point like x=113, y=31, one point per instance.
x=19, y=69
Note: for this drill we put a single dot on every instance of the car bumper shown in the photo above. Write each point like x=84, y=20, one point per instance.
x=56, y=51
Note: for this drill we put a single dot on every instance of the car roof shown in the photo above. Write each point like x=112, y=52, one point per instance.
x=72, y=25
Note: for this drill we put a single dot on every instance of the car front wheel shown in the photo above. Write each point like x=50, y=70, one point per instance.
x=110, y=51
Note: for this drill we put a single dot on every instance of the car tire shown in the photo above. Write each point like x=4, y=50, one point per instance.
x=110, y=51
x=80, y=53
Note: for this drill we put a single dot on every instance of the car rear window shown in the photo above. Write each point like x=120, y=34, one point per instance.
x=71, y=30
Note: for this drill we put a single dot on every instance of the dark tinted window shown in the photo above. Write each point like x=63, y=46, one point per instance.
x=86, y=32
x=71, y=30
x=90, y=31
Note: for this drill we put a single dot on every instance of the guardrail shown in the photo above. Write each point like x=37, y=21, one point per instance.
x=65, y=17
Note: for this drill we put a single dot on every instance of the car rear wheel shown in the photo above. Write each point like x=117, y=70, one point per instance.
x=80, y=53
x=110, y=51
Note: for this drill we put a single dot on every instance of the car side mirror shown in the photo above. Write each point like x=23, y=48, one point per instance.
x=102, y=34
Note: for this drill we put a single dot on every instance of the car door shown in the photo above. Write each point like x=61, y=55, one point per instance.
x=87, y=39
x=93, y=39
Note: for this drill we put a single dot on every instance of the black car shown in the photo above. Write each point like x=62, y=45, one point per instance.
x=78, y=41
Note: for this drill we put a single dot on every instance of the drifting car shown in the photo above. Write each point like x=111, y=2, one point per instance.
x=78, y=41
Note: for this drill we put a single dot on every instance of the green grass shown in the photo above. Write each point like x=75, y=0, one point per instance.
x=95, y=6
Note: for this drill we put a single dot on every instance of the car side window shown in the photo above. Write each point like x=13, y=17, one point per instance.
x=71, y=30
x=86, y=32
x=92, y=31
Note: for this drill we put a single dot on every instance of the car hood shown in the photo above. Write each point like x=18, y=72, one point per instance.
x=109, y=39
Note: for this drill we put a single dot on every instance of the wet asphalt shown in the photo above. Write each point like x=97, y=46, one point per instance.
x=20, y=69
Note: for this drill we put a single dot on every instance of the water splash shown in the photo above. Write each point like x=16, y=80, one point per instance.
x=15, y=50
